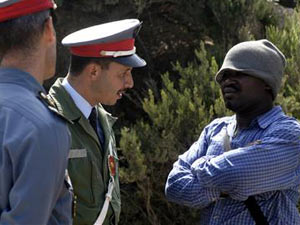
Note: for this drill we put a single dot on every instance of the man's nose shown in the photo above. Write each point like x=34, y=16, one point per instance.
x=228, y=77
x=129, y=83
x=225, y=78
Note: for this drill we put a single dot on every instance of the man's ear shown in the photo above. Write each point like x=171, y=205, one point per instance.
x=93, y=70
x=49, y=31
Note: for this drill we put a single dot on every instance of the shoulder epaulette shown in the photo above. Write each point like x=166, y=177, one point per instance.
x=50, y=104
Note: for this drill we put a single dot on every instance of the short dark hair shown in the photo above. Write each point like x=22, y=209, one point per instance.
x=22, y=32
x=78, y=63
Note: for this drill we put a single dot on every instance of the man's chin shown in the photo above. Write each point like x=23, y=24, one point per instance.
x=110, y=103
x=230, y=106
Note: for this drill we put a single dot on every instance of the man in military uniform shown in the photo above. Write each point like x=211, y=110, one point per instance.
x=102, y=58
x=34, y=140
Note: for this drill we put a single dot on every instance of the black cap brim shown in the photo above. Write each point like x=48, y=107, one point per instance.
x=131, y=61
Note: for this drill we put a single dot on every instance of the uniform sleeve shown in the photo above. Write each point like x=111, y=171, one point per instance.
x=35, y=170
x=183, y=186
x=271, y=163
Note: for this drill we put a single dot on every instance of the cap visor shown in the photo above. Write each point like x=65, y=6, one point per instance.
x=131, y=61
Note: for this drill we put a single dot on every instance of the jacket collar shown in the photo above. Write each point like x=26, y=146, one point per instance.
x=64, y=103
x=82, y=104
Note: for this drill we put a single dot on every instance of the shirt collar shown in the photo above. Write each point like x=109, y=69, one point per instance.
x=82, y=104
x=269, y=117
x=262, y=121
x=22, y=78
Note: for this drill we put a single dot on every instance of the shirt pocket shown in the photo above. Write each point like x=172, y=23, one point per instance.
x=215, y=148
x=219, y=144
x=81, y=174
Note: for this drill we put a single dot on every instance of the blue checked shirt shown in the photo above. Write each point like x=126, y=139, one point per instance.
x=262, y=160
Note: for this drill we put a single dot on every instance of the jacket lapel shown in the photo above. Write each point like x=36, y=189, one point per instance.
x=85, y=124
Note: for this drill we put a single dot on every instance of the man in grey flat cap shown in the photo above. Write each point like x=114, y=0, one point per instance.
x=244, y=169
x=102, y=58
x=34, y=138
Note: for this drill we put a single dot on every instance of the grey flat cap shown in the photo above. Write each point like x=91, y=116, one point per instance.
x=261, y=59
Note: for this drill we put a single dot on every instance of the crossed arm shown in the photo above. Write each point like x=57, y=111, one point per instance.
x=272, y=164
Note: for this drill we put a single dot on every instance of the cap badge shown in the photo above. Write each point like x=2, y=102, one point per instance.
x=118, y=53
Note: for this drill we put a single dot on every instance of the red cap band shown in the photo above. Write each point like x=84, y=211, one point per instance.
x=24, y=7
x=94, y=50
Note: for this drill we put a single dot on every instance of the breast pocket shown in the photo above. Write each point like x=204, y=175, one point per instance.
x=219, y=143
x=81, y=173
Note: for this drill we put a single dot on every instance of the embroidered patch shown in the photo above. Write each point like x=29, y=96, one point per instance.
x=112, y=165
x=77, y=153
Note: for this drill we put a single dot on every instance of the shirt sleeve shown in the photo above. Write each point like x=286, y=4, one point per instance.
x=183, y=186
x=34, y=170
x=272, y=163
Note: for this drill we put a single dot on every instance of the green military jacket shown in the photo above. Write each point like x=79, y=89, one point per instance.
x=88, y=162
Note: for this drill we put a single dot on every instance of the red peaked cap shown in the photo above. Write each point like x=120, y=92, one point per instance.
x=113, y=39
x=12, y=9
x=94, y=50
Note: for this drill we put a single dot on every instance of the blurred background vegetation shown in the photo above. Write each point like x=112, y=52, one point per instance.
x=175, y=96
